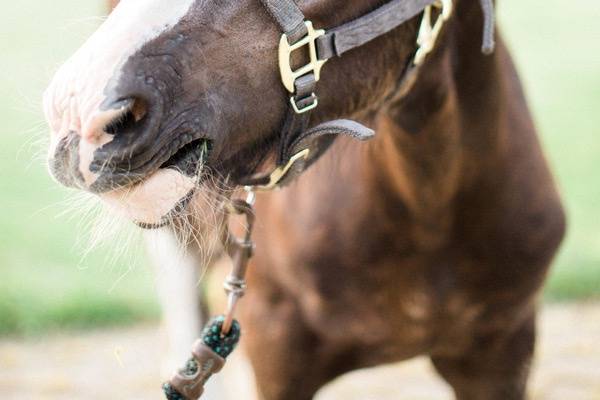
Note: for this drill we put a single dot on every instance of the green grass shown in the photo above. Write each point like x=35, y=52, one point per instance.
x=46, y=284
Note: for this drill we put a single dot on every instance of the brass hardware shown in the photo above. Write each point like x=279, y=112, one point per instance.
x=309, y=107
x=279, y=173
x=429, y=32
x=288, y=75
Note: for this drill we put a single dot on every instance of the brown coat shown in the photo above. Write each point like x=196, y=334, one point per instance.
x=433, y=239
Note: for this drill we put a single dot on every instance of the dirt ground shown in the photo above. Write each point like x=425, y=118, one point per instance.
x=125, y=364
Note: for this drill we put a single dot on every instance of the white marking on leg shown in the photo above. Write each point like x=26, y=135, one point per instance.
x=178, y=275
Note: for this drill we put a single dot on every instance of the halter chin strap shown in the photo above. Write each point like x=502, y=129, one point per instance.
x=300, y=146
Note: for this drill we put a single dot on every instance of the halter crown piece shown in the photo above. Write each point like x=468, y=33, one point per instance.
x=300, y=146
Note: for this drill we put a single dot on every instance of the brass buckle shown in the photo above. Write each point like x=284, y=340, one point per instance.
x=429, y=32
x=309, y=107
x=288, y=75
x=280, y=172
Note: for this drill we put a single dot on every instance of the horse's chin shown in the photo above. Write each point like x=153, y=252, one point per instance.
x=154, y=202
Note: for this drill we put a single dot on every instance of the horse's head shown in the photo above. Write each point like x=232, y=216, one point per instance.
x=165, y=86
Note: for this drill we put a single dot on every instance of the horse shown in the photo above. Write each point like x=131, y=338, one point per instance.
x=432, y=238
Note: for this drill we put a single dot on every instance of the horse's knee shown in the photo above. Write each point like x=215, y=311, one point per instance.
x=496, y=367
x=290, y=360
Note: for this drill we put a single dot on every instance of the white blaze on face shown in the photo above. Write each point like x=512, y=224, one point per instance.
x=72, y=101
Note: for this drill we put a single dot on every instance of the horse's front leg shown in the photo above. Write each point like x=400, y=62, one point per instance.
x=496, y=367
x=177, y=285
x=290, y=361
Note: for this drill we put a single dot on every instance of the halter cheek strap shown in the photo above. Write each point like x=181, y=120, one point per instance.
x=300, y=146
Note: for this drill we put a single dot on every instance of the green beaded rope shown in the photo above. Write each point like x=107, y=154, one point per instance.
x=211, y=336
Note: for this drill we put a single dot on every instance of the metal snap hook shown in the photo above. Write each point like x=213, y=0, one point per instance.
x=429, y=31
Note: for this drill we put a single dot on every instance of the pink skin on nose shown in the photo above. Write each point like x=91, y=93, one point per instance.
x=72, y=101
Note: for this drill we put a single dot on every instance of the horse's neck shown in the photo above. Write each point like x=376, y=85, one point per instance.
x=417, y=148
x=419, y=153
x=423, y=153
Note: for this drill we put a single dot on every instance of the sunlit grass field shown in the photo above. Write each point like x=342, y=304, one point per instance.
x=46, y=282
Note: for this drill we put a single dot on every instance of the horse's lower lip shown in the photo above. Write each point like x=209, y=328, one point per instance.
x=166, y=220
x=157, y=199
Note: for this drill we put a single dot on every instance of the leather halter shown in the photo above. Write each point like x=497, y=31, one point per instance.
x=300, y=146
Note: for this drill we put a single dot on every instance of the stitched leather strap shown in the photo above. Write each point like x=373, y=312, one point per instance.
x=348, y=36
x=294, y=135
x=288, y=16
x=356, y=33
x=317, y=140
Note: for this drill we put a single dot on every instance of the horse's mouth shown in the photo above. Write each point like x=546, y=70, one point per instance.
x=165, y=220
x=151, y=193
x=189, y=160
x=165, y=194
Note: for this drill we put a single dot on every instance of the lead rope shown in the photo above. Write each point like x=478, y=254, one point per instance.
x=222, y=334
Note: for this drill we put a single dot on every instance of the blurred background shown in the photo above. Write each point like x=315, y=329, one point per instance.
x=54, y=293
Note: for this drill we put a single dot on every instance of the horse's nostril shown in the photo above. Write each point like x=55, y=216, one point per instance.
x=134, y=111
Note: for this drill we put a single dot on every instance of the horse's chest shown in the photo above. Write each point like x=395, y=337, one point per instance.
x=391, y=303
x=361, y=280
